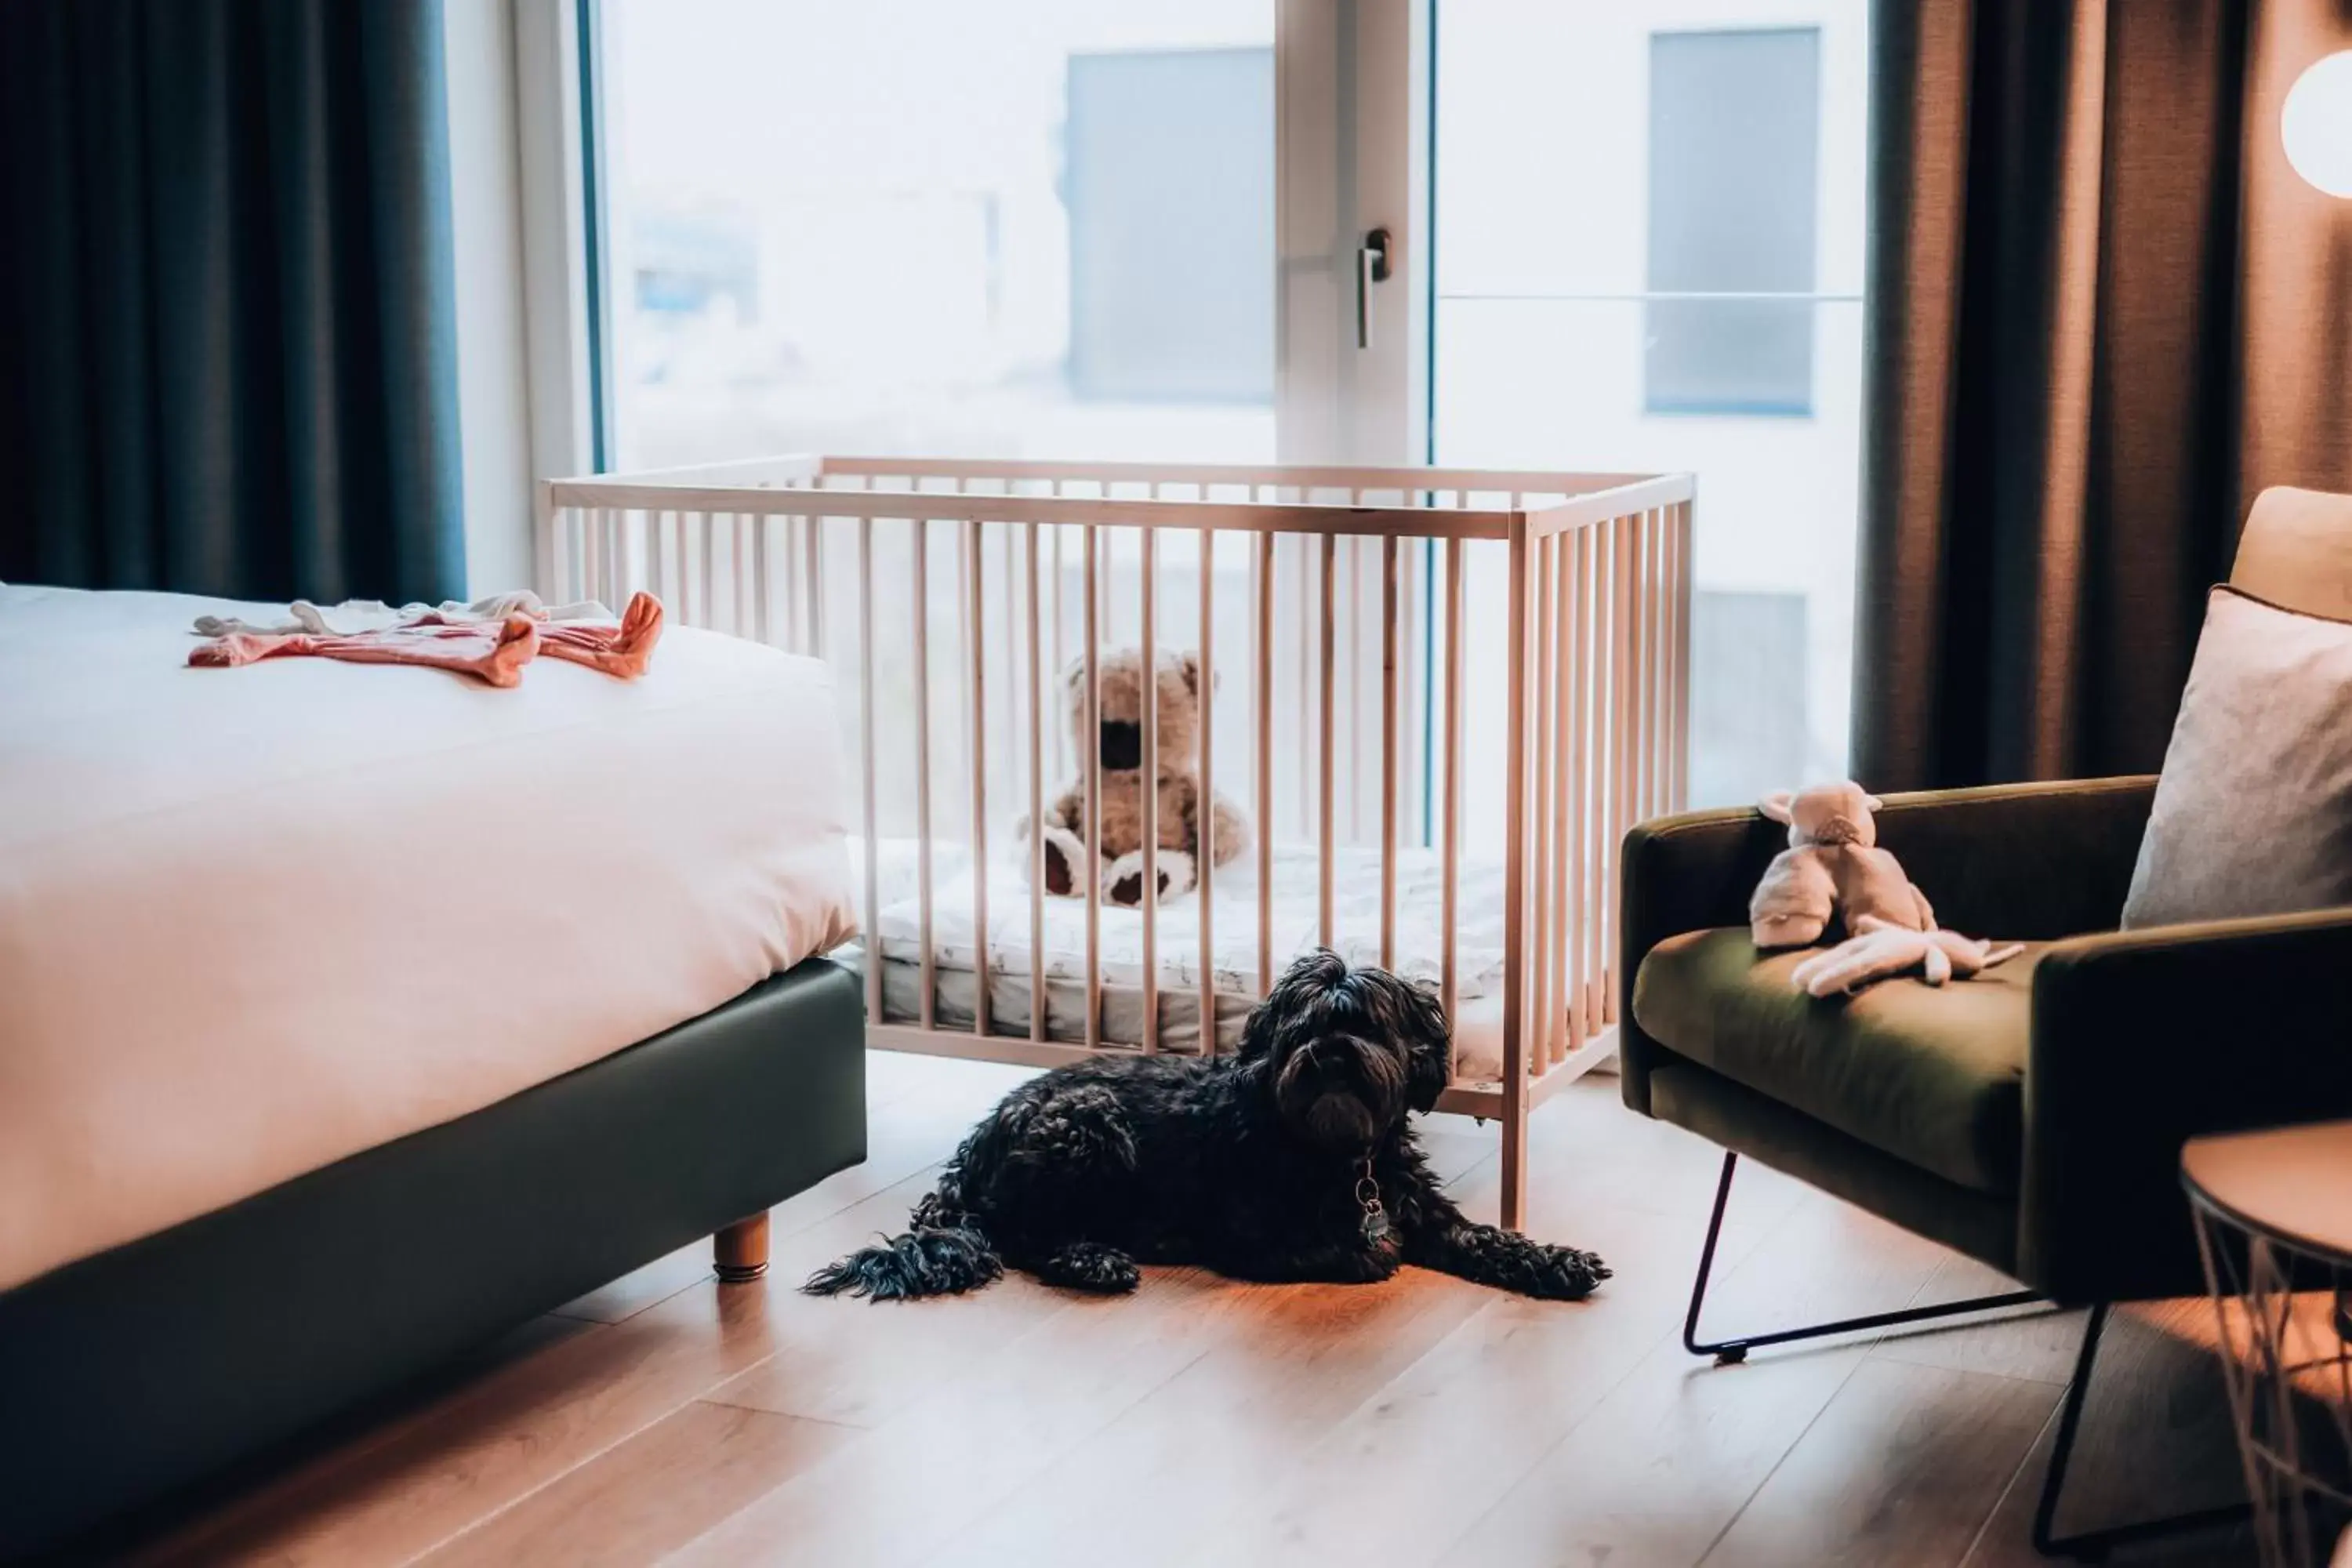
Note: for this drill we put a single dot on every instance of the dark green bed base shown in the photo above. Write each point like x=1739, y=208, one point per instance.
x=131, y=1373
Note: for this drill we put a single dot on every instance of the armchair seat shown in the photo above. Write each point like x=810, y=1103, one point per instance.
x=1933, y=1077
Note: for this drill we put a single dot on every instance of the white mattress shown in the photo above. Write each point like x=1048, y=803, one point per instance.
x=1356, y=931
x=253, y=920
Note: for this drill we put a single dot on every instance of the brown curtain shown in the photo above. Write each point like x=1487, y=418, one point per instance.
x=2103, y=313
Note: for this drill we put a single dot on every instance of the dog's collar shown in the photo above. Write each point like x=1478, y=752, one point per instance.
x=1367, y=1194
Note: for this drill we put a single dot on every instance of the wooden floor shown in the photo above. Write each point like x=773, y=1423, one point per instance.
x=1419, y=1421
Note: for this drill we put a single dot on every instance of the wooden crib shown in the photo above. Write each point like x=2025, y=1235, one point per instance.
x=1442, y=695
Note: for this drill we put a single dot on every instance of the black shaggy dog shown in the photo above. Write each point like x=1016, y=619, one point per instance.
x=1291, y=1160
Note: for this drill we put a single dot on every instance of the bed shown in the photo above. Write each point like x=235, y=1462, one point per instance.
x=349, y=1015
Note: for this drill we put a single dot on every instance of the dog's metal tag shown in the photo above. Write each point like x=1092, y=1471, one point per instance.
x=1367, y=1194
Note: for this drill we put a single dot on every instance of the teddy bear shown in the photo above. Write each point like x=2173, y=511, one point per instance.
x=1834, y=871
x=1114, y=855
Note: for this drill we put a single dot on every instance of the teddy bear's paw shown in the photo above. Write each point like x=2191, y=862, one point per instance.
x=1178, y=874
x=1123, y=880
x=1064, y=853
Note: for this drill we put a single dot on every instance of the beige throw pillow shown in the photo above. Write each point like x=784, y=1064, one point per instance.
x=2254, y=812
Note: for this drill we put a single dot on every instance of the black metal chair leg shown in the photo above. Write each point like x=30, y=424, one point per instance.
x=1727, y=1353
x=2092, y=1545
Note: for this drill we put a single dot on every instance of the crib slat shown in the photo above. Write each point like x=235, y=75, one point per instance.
x=738, y=565
x=976, y=660
x=1205, y=812
x=922, y=531
x=1090, y=765
x=1686, y=562
x=1602, y=763
x=873, y=935
x=678, y=526
x=1637, y=709
x=592, y=538
x=1036, y=809
x=1621, y=723
x=1305, y=667
x=1356, y=690
x=1449, y=982
x=708, y=604
x=1148, y=546
x=1388, y=751
x=1669, y=582
x=1582, y=896
x=1262, y=664
x=759, y=585
x=1061, y=737
x=1568, y=916
x=1006, y=649
x=813, y=543
x=1653, y=663
x=1515, y=892
x=1324, y=758
x=1543, y=559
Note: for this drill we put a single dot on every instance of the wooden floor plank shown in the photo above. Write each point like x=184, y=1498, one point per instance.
x=1902, y=1466
x=2038, y=1341
x=2156, y=1439
x=895, y=1495
x=1459, y=1427
x=649, y=1495
x=859, y=1363
x=488, y=1445
x=1289, y=1364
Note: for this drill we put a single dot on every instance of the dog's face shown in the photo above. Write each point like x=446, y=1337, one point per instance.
x=1345, y=1053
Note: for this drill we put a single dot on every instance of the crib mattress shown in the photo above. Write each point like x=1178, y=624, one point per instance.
x=255, y=921
x=1234, y=932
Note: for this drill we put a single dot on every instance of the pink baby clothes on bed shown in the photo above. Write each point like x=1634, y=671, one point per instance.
x=493, y=653
x=621, y=651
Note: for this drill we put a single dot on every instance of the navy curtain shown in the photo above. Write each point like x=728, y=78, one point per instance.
x=227, y=346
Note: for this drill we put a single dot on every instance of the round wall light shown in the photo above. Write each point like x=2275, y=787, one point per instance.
x=2316, y=124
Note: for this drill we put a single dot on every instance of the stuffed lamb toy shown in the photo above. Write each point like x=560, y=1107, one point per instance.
x=1834, y=871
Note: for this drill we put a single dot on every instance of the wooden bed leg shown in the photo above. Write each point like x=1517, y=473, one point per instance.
x=741, y=1250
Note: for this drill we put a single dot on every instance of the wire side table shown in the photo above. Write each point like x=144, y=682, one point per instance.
x=2274, y=1217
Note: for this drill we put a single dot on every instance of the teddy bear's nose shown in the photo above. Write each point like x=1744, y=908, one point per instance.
x=1122, y=745
x=1837, y=830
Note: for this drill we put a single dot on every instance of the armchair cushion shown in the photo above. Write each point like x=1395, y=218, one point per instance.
x=1933, y=1077
x=2254, y=812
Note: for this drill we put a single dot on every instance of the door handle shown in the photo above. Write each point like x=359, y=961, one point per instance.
x=1372, y=267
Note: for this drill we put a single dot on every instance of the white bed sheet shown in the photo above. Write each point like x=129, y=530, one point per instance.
x=253, y=920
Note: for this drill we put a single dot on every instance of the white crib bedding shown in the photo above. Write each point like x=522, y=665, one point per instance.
x=1356, y=933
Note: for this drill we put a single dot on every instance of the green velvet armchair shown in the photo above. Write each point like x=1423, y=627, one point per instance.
x=2031, y=1118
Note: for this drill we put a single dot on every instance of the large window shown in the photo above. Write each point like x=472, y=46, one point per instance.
x=1065, y=228
x=1734, y=121
x=1649, y=234
x=999, y=228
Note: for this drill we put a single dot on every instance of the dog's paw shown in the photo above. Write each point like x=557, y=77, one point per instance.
x=1092, y=1267
x=1564, y=1274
